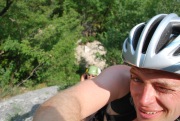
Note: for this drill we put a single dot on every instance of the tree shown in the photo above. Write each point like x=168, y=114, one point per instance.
x=31, y=32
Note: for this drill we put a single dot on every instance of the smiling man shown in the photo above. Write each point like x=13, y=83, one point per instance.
x=156, y=94
x=148, y=89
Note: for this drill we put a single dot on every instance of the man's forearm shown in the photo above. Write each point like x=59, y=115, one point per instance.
x=62, y=107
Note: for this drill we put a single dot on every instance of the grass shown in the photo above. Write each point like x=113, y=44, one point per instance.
x=8, y=92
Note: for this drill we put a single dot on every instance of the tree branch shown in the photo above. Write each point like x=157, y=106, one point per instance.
x=2, y=52
x=31, y=74
x=4, y=10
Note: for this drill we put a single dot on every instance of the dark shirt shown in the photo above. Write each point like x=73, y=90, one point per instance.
x=125, y=109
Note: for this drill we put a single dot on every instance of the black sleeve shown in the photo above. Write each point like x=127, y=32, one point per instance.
x=124, y=107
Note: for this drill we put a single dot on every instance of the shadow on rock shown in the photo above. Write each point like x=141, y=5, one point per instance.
x=25, y=117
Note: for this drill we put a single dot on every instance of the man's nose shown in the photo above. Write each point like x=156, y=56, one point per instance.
x=148, y=95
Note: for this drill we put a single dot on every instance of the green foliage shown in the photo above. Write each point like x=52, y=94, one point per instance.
x=37, y=47
x=63, y=68
x=123, y=15
x=38, y=38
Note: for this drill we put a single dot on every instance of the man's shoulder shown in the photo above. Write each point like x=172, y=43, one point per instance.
x=118, y=68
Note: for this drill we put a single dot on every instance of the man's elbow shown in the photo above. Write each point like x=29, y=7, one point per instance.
x=47, y=113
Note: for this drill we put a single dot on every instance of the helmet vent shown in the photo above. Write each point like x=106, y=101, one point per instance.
x=126, y=44
x=177, y=53
x=137, y=34
x=165, y=38
x=150, y=34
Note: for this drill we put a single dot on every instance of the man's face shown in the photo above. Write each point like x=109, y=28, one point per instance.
x=156, y=94
x=90, y=76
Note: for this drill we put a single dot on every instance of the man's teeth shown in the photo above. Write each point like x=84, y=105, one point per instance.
x=150, y=112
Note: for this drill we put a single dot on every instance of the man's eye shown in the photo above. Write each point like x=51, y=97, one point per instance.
x=137, y=80
x=163, y=89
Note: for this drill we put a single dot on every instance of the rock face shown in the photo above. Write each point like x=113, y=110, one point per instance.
x=91, y=54
x=22, y=107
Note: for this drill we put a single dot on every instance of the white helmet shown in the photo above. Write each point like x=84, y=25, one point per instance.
x=155, y=44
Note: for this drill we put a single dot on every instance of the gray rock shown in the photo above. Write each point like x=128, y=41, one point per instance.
x=22, y=107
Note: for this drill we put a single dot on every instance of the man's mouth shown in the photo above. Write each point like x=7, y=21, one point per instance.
x=149, y=112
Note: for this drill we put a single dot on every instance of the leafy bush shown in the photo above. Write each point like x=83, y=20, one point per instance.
x=38, y=38
x=37, y=46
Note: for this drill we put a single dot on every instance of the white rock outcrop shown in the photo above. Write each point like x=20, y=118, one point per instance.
x=91, y=54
